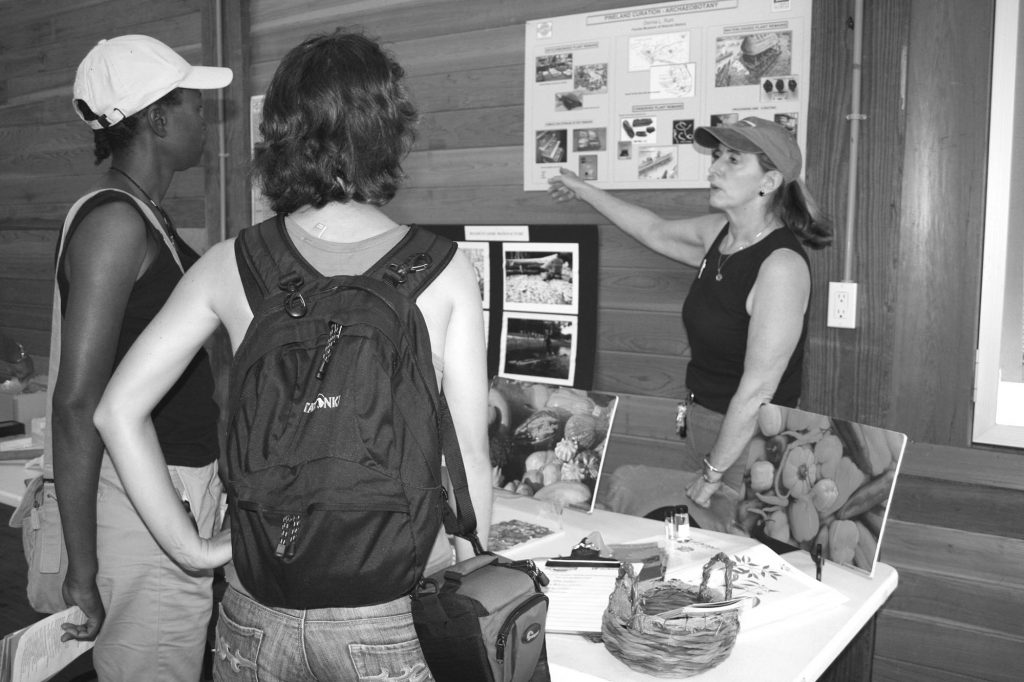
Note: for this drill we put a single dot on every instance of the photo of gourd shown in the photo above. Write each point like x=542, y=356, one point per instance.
x=815, y=480
x=548, y=441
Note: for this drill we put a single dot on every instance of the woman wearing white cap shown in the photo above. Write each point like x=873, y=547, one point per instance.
x=746, y=312
x=118, y=261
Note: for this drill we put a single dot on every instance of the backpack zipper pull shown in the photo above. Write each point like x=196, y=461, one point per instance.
x=499, y=647
x=289, y=531
x=332, y=338
x=294, y=303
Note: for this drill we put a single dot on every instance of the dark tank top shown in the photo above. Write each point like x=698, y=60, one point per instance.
x=186, y=418
x=716, y=321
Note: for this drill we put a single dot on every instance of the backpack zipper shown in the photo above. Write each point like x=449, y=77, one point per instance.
x=502, y=639
x=289, y=531
x=332, y=337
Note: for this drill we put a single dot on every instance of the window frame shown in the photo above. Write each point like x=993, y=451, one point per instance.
x=999, y=403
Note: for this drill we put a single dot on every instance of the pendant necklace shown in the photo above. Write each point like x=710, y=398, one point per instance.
x=159, y=209
x=722, y=259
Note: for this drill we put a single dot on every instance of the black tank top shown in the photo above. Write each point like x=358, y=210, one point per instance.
x=716, y=322
x=186, y=419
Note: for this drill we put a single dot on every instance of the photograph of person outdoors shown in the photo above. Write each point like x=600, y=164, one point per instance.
x=116, y=268
x=746, y=313
x=337, y=124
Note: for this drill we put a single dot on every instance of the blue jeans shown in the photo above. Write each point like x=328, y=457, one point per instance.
x=257, y=642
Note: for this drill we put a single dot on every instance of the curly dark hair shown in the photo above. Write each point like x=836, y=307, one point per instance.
x=120, y=135
x=337, y=124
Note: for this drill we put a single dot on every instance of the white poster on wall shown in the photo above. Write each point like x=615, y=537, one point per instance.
x=616, y=95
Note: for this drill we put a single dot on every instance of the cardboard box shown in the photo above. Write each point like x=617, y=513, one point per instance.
x=22, y=407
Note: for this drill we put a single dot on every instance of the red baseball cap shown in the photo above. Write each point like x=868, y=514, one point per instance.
x=754, y=135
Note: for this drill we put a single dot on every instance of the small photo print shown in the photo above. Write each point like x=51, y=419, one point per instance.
x=625, y=151
x=672, y=81
x=788, y=121
x=642, y=129
x=588, y=167
x=592, y=78
x=551, y=146
x=724, y=119
x=646, y=52
x=682, y=131
x=657, y=163
x=779, y=89
x=567, y=101
x=538, y=347
x=479, y=255
x=589, y=139
x=747, y=59
x=538, y=276
x=554, y=67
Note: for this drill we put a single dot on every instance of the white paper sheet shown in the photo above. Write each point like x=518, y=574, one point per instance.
x=37, y=651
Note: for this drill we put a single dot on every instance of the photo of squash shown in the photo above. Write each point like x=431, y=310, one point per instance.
x=549, y=441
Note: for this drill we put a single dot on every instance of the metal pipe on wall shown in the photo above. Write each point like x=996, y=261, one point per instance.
x=855, y=117
x=222, y=156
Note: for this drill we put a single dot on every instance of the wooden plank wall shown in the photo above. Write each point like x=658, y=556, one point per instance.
x=954, y=537
x=46, y=158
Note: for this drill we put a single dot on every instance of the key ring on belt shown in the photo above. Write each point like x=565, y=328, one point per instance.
x=682, y=408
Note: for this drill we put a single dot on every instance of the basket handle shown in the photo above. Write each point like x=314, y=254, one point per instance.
x=723, y=558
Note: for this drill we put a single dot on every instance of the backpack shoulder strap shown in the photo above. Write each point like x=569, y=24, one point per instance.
x=265, y=258
x=462, y=520
x=410, y=267
x=415, y=261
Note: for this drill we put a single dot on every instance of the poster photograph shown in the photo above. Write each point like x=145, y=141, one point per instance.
x=537, y=347
x=616, y=95
x=538, y=276
x=258, y=203
x=478, y=254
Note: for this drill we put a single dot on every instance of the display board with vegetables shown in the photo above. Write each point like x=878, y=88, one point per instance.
x=816, y=480
x=549, y=441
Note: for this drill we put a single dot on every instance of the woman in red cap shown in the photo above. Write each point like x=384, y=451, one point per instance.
x=118, y=260
x=746, y=312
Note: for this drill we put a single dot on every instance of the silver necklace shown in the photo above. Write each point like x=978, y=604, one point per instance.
x=157, y=207
x=722, y=259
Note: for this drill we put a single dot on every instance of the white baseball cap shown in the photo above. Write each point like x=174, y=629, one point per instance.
x=124, y=75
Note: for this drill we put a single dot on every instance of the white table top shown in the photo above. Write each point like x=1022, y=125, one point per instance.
x=800, y=648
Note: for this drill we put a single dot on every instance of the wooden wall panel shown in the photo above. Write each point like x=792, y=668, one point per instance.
x=46, y=158
x=939, y=270
x=847, y=371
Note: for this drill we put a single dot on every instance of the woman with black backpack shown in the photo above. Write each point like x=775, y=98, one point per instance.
x=337, y=122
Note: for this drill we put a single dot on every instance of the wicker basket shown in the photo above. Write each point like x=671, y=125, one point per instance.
x=682, y=646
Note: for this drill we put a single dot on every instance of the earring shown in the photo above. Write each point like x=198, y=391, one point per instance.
x=760, y=192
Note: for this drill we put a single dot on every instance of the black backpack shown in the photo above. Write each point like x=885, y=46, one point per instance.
x=333, y=457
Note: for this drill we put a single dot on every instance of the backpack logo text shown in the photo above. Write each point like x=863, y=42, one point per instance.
x=322, y=402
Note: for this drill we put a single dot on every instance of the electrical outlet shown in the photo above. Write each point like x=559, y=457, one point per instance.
x=842, y=305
